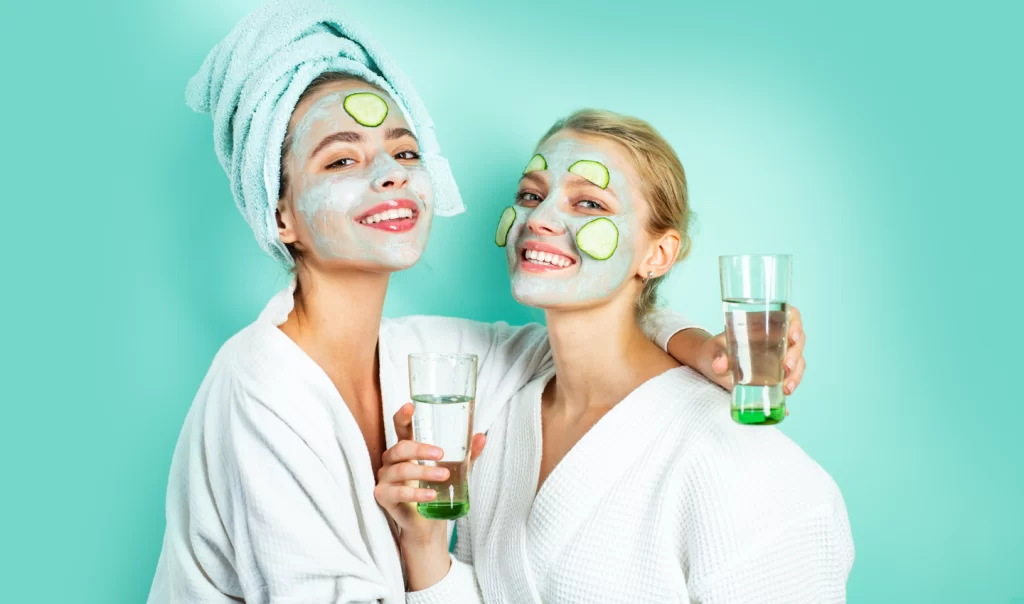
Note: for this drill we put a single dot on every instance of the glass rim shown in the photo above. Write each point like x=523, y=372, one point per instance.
x=786, y=256
x=443, y=355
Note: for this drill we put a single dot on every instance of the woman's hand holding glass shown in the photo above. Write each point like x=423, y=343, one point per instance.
x=424, y=542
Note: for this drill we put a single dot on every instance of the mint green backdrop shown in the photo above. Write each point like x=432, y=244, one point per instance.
x=880, y=143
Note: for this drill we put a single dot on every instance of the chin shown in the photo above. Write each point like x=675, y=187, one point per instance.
x=529, y=292
x=548, y=294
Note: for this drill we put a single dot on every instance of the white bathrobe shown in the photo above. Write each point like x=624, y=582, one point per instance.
x=665, y=499
x=270, y=497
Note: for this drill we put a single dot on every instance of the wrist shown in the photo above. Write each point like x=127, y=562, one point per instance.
x=426, y=538
x=426, y=556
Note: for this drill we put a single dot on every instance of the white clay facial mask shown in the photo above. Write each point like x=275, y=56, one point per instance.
x=570, y=238
x=357, y=185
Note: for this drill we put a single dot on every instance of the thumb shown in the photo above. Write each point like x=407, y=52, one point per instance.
x=719, y=356
x=477, y=446
x=721, y=363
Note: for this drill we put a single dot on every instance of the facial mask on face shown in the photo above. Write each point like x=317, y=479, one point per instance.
x=602, y=265
x=351, y=216
x=598, y=238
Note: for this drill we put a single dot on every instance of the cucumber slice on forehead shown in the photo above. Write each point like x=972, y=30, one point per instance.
x=366, y=108
x=598, y=238
x=537, y=162
x=593, y=171
x=504, y=226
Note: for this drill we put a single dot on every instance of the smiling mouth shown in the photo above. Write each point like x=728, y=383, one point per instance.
x=540, y=261
x=396, y=216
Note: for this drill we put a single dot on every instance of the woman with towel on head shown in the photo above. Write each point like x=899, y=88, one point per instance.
x=617, y=475
x=334, y=163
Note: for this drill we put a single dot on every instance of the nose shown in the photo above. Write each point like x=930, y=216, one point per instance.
x=544, y=221
x=389, y=175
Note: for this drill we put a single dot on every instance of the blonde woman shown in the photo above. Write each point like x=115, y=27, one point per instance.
x=617, y=475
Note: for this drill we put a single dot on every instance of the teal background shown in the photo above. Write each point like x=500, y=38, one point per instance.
x=879, y=142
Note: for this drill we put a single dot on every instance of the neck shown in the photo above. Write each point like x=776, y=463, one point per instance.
x=336, y=321
x=601, y=355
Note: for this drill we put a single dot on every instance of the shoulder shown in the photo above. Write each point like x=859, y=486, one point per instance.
x=723, y=459
x=260, y=372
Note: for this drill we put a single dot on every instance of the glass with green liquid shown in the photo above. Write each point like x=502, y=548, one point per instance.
x=443, y=388
x=755, y=294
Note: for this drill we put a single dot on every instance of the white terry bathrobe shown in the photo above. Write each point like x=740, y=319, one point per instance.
x=665, y=499
x=270, y=497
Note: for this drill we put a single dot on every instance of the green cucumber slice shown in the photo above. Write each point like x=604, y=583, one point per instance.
x=598, y=238
x=537, y=162
x=594, y=171
x=366, y=108
x=504, y=226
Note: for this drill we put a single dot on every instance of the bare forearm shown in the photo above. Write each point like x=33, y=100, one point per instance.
x=685, y=346
x=426, y=560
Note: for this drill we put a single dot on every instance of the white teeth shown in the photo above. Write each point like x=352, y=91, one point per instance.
x=388, y=215
x=547, y=258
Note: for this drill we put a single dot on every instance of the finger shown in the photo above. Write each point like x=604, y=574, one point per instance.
x=796, y=376
x=796, y=348
x=721, y=364
x=406, y=471
x=794, y=314
x=410, y=450
x=403, y=422
x=477, y=446
x=391, y=496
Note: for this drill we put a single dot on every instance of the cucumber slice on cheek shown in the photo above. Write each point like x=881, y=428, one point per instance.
x=504, y=226
x=594, y=171
x=598, y=238
x=537, y=162
x=366, y=108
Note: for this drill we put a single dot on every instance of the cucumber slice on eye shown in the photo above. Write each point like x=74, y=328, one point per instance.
x=537, y=162
x=366, y=108
x=593, y=171
x=598, y=238
x=504, y=226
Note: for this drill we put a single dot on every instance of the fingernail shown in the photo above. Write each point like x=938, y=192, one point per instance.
x=438, y=473
x=436, y=453
x=790, y=387
x=427, y=494
x=789, y=364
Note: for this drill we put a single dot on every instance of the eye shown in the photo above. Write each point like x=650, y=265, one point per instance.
x=528, y=199
x=407, y=155
x=590, y=204
x=341, y=163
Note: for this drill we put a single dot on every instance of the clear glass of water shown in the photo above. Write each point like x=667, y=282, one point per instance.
x=755, y=294
x=443, y=388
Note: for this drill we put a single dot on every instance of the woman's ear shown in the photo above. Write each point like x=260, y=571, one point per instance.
x=662, y=255
x=286, y=223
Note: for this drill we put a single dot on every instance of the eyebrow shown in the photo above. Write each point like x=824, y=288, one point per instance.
x=576, y=178
x=394, y=133
x=534, y=177
x=337, y=137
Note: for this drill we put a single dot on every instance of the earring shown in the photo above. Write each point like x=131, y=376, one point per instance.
x=648, y=277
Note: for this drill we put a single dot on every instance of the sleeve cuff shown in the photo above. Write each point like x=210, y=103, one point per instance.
x=457, y=587
x=662, y=324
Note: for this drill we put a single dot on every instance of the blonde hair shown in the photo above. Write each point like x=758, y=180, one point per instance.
x=662, y=178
